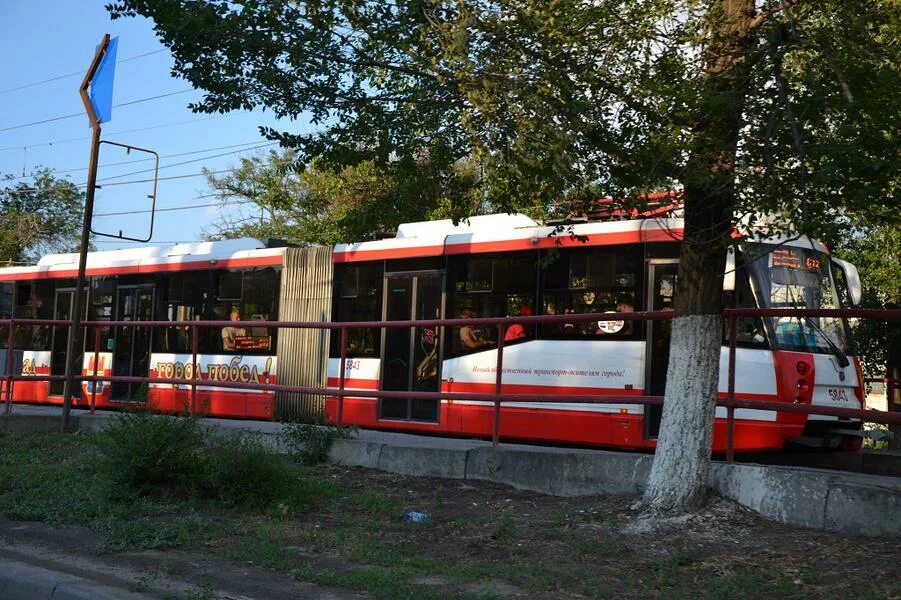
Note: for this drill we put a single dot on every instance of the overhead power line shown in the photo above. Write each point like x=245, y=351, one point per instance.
x=87, y=137
x=139, y=160
x=81, y=114
x=150, y=243
x=184, y=176
x=184, y=162
x=178, y=208
x=75, y=73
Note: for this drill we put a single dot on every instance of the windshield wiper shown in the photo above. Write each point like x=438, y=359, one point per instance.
x=839, y=354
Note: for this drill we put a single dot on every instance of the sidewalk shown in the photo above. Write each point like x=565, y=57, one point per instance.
x=44, y=562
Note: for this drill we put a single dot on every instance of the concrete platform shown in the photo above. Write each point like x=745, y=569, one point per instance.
x=849, y=503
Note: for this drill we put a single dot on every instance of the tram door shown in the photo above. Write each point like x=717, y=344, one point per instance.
x=411, y=357
x=661, y=295
x=63, y=308
x=131, y=346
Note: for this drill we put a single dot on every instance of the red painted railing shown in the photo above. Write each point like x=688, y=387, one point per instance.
x=497, y=397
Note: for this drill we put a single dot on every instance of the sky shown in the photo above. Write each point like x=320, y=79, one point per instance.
x=55, y=40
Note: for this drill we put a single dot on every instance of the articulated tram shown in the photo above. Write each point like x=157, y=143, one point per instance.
x=488, y=266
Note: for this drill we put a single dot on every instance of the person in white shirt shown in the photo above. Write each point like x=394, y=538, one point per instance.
x=229, y=334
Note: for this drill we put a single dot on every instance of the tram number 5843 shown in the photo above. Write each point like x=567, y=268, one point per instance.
x=838, y=395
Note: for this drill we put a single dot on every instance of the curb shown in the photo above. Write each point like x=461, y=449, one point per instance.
x=846, y=503
x=21, y=581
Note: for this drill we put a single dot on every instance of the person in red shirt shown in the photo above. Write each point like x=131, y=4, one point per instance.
x=518, y=330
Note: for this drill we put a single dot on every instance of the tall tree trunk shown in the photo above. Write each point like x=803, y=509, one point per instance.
x=678, y=479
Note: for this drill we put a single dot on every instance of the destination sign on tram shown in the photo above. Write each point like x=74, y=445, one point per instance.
x=252, y=342
x=794, y=258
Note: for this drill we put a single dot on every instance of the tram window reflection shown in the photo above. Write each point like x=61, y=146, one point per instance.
x=494, y=285
x=749, y=330
x=254, y=298
x=358, y=298
x=187, y=296
x=33, y=301
x=592, y=280
x=7, y=291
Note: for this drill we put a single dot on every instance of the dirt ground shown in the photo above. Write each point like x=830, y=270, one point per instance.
x=481, y=540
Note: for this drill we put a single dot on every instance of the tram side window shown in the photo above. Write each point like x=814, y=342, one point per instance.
x=749, y=331
x=7, y=291
x=183, y=298
x=34, y=300
x=358, y=297
x=495, y=285
x=103, y=292
x=247, y=295
x=592, y=280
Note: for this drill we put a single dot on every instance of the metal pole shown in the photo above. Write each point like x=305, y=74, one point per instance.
x=195, y=371
x=501, y=331
x=730, y=410
x=71, y=357
x=341, y=376
x=97, y=331
x=10, y=351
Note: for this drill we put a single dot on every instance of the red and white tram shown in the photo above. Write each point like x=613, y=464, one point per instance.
x=499, y=265
x=206, y=280
x=490, y=266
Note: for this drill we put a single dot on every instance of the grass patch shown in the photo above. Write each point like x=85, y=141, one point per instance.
x=311, y=442
x=143, y=454
x=338, y=527
x=146, y=455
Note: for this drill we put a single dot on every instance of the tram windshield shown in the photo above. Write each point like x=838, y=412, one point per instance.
x=790, y=277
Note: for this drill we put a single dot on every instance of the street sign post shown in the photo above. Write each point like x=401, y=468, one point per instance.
x=104, y=97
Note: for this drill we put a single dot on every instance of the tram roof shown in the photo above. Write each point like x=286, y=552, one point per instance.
x=511, y=232
x=243, y=252
x=505, y=232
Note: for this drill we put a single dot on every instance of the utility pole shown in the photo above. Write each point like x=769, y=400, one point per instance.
x=73, y=356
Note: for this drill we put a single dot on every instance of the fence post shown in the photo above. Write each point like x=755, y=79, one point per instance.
x=10, y=351
x=195, y=371
x=341, y=376
x=96, y=362
x=730, y=409
x=501, y=331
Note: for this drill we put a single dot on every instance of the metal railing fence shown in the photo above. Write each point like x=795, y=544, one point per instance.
x=497, y=396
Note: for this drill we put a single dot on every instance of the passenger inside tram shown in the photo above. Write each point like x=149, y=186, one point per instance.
x=518, y=330
x=471, y=337
x=230, y=334
x=625, y=303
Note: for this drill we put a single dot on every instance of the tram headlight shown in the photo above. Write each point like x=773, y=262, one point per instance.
x=802, y=367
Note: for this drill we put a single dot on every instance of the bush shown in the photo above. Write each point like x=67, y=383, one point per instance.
x=143, y=453
x=310, y=442
x=244, y=473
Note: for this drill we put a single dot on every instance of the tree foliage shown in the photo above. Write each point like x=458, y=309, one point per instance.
x=39, y=217
x=876, y=251
x=320, y=205
x=548, y=96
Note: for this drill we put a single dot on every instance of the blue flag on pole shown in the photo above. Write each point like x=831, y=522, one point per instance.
x=102, y=84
